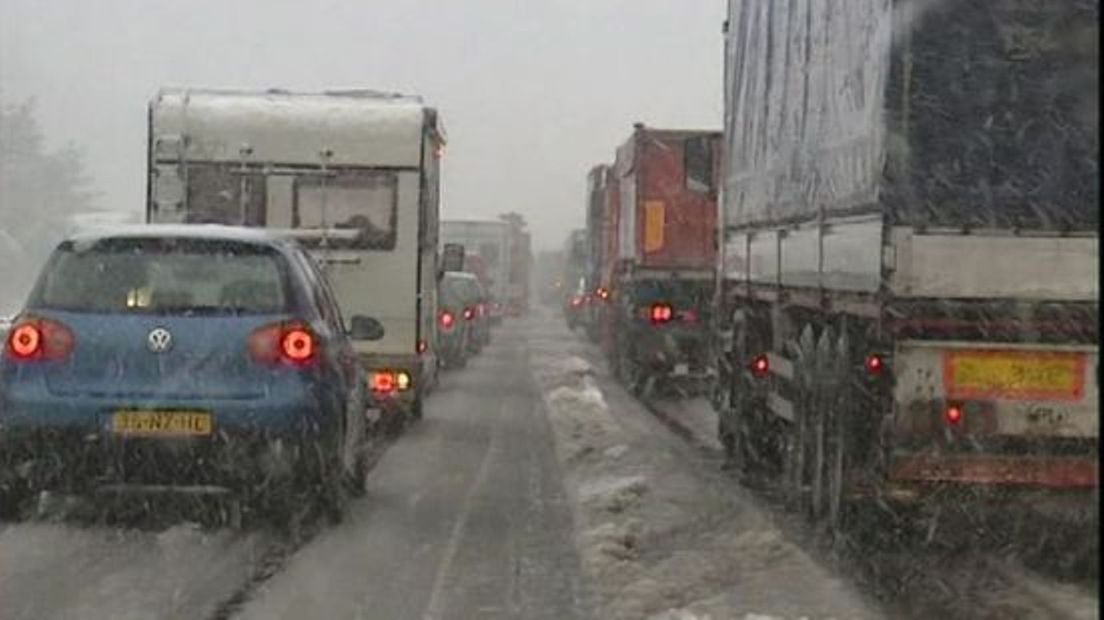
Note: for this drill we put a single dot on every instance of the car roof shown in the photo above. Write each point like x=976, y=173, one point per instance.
x=215, y=232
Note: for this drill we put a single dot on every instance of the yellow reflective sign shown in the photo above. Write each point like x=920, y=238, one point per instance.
x=654, y=222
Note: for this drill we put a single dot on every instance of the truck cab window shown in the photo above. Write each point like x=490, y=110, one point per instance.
x=698, y=155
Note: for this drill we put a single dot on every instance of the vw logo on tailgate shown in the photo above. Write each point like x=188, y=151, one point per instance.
x=159, y=340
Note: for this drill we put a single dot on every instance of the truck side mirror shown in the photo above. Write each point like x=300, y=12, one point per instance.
x=365, y=328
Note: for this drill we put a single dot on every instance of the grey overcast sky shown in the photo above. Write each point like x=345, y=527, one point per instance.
x=532, y=92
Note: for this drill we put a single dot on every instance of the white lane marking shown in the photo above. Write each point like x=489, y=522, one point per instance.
x=434, y=608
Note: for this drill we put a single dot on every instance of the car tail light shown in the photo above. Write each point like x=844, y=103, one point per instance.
x=297, y=345
x=292, y=343
x=954, y=415
x=760, y=366
x=39, y=339
x=469, y=314
x=421, y=347
x=447, y=320
x=875, y=364
x=577, y=301
x=661, y=313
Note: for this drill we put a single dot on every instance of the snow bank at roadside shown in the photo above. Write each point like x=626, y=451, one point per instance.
x=655, y=540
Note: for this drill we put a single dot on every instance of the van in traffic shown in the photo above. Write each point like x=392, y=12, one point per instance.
x=352, y=175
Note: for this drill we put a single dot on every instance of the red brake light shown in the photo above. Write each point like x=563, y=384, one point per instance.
x=422, y=347
x=955, y=414
x=297, y=345
x=283, y=342
x=447, y=320
x=469, y=314
x=384, y=382
x=661, y=313
x=25, y=341
x=875, y=364
x=577, y=301
x=760, y=366
x=40, y=339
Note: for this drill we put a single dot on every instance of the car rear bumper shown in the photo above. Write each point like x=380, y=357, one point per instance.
x=283, y=408
x=75, y=461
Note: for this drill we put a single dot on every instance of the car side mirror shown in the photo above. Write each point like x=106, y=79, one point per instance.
x=365, y=328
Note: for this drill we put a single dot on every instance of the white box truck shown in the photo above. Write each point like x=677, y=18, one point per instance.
x=354, y=175
x=490, y=241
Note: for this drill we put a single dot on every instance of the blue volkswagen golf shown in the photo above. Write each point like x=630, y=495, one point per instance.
x=183, y=359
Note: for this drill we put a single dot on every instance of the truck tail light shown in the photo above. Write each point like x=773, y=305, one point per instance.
x=955, y=414
x=661, y=313
x=760, y=366
x=402, y=380
x=39, y=339
x=384, y=382
x=875, y=365
x=388, y=381
x=447, y=320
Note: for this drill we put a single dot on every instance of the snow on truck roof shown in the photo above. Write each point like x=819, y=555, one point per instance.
x=358, y=127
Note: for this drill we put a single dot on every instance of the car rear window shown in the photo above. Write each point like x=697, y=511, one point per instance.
x=164, y=276
x=454, y=291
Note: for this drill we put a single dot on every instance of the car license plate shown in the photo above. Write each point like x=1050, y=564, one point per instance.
x=1015, y=375
x=682, y=369
x=162, y=423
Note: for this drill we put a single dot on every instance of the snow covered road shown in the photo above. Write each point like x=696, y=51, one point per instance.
x=535, y=487
x=465, y=516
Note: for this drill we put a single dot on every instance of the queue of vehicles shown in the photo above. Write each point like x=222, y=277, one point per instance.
x=884, y=292
x=284, y=301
